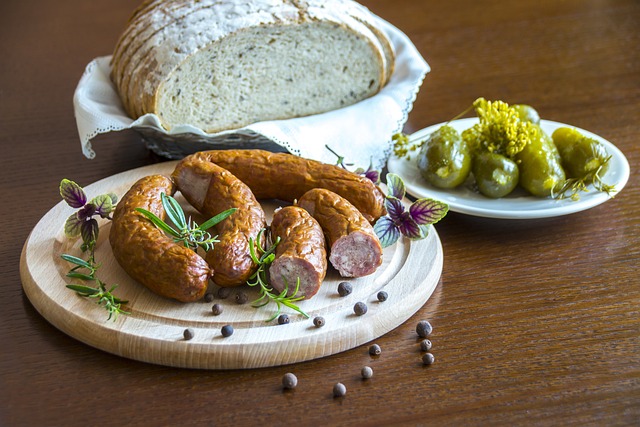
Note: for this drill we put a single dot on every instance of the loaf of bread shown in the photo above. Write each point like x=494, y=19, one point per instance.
x=224, y=64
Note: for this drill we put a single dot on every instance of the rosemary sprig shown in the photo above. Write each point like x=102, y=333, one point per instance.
x=264, y=259
x=104, y=297
x=187, y=231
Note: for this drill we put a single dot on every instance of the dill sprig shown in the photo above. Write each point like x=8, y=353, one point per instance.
x=572, y=187
x=403, y=147
x=263, y=258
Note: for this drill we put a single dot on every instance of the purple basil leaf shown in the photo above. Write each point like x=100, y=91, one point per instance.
x=373, y=175
x=395, y=208
x=87, y=211
x=428, y=211
x=395, y=186
x=386, y=231
x=72, y=226
x=103, y=205
x=409, y=227
x=72, y=193
x=89, y=231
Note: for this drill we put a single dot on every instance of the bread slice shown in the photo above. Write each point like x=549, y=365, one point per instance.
x=221, y=65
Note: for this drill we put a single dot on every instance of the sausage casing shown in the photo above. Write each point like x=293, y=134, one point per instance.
x=354, y=248
x=147, y=254
x=211, y=190
x=301, y=253
x=287, y=177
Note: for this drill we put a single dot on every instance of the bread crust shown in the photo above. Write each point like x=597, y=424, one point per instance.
x=163, y=35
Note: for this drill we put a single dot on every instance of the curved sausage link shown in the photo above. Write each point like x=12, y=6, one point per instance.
x=211, y=190
x=355, y=249
x=287, y=177
x=301, y=253
x=146, y=253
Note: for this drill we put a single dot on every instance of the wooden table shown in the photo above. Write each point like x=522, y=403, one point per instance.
x=535, y=321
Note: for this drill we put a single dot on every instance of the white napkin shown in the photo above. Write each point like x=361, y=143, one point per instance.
x=361, y=133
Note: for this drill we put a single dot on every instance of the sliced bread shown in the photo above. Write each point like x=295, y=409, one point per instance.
x=221, y=65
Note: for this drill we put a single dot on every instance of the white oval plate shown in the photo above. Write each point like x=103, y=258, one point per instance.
x=519, y=204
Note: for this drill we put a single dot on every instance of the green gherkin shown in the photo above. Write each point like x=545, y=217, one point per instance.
x=541, y=172
x=445, y=158
x=496, y=175
x=581, y=156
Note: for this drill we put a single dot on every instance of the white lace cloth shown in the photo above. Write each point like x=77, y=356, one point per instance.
x=361, y=133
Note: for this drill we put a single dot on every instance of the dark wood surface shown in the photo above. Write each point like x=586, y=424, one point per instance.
x=535, y=322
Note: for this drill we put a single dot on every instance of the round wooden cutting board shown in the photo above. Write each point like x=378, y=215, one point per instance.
x=153, y=331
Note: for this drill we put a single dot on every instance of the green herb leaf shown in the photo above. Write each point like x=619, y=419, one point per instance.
x=75, y=260
x=216, y=219
x=85, y=290
x=174, y=211
x=158, y=222
x=81, y=276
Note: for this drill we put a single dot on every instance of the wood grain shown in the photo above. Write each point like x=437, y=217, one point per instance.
x=153, y=331
x=535, y=321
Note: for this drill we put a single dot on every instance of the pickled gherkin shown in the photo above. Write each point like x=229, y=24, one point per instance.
x=584, y=159
x=527, y=113
x=445, y=160
x=581, y=156
x=541, y=172
x=496, y=175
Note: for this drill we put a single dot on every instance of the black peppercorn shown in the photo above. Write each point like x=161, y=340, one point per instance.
x=227, y=331
x=223, y=293
x=382, y=296
x=360, y=308
x=216, y=309
x=366, y=372
x=339, y=390
x=289, y=381
x=423, y=328
x=425, y=345
x=283, y=319
x=208, y=297
x=188, y=334
x=428, y=359
x=375, y=350
x=241, y=298
x=344, y=288
x=318, y=321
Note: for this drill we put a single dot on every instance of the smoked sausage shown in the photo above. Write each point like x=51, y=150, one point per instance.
x=287, y=177
x=354, y=248
x=211, y=190
x=301, y=253
x=146, y=253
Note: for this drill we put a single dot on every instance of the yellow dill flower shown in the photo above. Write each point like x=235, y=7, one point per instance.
x=500, y=129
